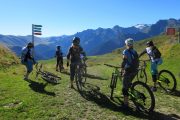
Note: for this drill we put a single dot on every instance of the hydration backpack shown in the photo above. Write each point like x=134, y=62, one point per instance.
x=134, y=60
x=156, y=53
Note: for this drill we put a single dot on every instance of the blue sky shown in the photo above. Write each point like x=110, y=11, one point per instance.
x=60, y=17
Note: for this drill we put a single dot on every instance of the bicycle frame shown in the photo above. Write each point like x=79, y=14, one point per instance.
x=134, y=94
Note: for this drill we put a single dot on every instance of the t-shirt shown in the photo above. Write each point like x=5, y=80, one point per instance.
x=132, y=58
x=75, y=54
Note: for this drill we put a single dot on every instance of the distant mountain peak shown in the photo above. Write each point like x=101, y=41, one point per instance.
x=141, y=26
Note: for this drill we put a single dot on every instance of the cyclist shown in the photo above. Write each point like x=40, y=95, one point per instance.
x=129, y=67
x=27, y=59
x=155, y=57
x=74, y=55
x=59, y=56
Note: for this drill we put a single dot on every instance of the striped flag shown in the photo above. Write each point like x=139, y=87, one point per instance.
x=37, y=29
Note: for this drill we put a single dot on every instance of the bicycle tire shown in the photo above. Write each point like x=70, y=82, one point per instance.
x=113, y=84
x=163, y=78
x=50, y=79
x=51, y=74
x=84, y=75
x=78, y=80
x=136, y=101
x=142, y=76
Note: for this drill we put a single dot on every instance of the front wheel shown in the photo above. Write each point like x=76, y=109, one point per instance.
x=167, y=81
x=142, y=97
x=113, y=83
x=78, y=79
x=84, y=74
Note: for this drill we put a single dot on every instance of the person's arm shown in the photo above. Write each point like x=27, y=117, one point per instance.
x=82, y=51
x=124, y=61
x=68, y=56
x=55, y=54
x=142, y=53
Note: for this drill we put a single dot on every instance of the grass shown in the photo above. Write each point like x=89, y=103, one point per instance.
x=36, y=99
x=7, y=58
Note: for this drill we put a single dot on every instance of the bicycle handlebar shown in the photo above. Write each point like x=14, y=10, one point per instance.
x=112, y=66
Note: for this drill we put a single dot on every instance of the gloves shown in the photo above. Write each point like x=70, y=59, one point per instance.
x=67, y=64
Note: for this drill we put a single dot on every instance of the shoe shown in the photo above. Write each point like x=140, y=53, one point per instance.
x=153, y=89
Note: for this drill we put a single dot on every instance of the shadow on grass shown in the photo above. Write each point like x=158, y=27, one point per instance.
x=87, y=75
x=176, y=93
x=40, y=88
x=92, y=93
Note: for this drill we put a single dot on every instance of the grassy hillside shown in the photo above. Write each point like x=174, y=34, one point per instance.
x=36, y=99
x=7, y=58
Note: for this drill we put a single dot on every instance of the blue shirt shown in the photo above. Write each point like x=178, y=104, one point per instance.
x=129, y=56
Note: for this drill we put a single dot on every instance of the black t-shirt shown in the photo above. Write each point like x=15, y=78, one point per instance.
x=58, y=54
x=74, y=54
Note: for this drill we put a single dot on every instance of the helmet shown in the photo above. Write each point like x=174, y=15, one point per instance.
x=30, y=44
x=150, y=43
x=76, y=41
x=58, y=46
x=129, y=41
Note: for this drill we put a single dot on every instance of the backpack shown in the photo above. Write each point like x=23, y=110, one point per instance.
x=156, y=53
x=134, y=60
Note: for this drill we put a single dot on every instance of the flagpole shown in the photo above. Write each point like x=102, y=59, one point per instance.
x=179, y=34
x=33, y=38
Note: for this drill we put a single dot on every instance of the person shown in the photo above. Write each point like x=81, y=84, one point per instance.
x=27, y=59
x=59, y=56
x=129, y=67
x=74, y=56
x=155, y=58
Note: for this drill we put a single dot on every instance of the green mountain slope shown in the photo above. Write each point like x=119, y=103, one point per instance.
x=20, y=99
x=7, y=58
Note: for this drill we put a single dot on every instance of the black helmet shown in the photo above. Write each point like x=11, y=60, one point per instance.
x=150, y=43
x=30, y=44
x=76, y=40
x=58, y=46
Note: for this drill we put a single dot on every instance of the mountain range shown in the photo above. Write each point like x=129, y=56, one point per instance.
x=94, y=41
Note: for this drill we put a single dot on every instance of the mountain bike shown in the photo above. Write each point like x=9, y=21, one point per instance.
x=141, y=95
x=142, y=71
x=165, y=79
x=47, y=76
x=81, y=73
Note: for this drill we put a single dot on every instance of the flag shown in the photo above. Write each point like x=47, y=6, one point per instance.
x=36, y=29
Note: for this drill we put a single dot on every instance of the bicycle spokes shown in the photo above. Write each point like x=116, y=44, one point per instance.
x=139, y=95
x=164, y=80
x=142, y=96
x=167, y=81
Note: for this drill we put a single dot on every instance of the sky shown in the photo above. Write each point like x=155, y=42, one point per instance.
x=67, y=17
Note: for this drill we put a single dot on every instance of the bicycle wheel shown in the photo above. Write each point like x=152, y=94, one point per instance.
x=78, y=79
x=142, y=97
x=51, y=74
x=84, y=74
x=167, y=81
x=51, y=78
x=113, y=84
x=142, y=76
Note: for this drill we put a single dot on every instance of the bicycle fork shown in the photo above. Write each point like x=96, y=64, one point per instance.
x=113, y=81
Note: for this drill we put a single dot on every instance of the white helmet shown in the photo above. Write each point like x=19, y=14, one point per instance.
x=129, y=41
